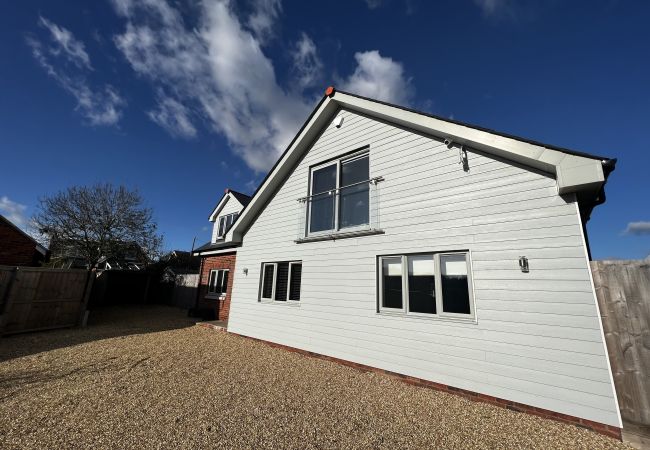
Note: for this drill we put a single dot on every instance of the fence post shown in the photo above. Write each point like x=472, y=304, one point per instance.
x=83, y=316
x=7, y=299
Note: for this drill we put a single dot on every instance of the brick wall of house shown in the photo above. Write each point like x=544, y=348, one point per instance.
x=224, y=261
x=16, y=249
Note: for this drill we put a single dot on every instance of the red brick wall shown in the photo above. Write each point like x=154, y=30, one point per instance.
x=16, y=249
x=224, y=261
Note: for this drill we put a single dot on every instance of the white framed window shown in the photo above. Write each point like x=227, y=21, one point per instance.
x=225, y=222
x=339, y=195
x=426, y=284
x=218, y=282
x=280, y=281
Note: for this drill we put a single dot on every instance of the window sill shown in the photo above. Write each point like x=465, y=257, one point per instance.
x=215, y=297
x=339, y=235
x=289, y=303
x=468, y=320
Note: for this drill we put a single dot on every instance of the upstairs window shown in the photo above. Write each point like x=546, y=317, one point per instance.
x=281, y=281
x=340, y=195
x=430, y=284
x=218, y=282
x=225, y=222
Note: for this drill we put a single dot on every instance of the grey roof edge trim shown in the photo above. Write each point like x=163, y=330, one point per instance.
x=485, y=129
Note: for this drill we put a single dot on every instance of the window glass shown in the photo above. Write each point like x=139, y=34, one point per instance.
x=455, y=288
x=282, y=282
x=211, y=280
x=217, y=285
x=322, y=200
x=421, y=283
x=354, y=200
x=294, y=282
x=392, y=283
x=222, y=225
x=267, y=283
x=224, y=282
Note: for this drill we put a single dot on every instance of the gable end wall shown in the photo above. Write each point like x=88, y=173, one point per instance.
x=537, y=338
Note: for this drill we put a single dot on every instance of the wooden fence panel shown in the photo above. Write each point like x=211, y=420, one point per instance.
x=38, y=299
x=623, y=292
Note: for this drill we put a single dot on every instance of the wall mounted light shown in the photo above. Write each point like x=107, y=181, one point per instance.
x=338, y=122
x=246, y=271
x=523, y=264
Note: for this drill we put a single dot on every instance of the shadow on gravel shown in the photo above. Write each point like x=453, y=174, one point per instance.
x=103, y=323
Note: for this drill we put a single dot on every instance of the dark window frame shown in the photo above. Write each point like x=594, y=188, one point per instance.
x=222, y=231
x=272, y=298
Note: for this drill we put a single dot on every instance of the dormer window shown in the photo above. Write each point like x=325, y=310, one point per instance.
x=225, y=223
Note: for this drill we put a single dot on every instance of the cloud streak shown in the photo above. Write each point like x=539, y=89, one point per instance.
x=65, y=59
x=216, y=71
x=638, y=228
x=13, y=211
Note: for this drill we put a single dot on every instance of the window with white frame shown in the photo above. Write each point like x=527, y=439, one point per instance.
x=225, y=223
x=281, y=281
x=218, y=282
x=426, y=284
x=339, y=194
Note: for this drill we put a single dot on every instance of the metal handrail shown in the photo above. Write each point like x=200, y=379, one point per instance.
x=374, y=180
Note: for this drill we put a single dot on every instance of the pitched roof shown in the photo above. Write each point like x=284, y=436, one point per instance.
x=241, y=198
x=39, y=247
x=209, y=246
x=575, y=171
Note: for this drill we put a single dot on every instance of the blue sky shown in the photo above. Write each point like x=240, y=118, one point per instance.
x=184, y=99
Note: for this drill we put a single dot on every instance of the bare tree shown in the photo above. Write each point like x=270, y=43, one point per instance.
x=95, y=222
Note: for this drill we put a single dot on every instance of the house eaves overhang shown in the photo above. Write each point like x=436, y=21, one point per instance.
x=575, y=172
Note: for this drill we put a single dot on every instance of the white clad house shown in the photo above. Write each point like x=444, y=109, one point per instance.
x=434, y=249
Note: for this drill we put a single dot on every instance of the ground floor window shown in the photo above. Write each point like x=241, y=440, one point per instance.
x=427, y=284
x=218, y=281
x=280, y=281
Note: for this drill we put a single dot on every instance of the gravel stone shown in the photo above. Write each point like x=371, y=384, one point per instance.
x=146, y=377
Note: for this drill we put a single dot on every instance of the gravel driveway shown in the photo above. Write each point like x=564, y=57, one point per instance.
x=145, y=377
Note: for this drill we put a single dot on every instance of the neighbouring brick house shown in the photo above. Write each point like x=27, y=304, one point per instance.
x=218, y=257
x=17, y=248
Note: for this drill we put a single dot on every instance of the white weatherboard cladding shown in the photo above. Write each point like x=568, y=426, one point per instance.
x=232, y=205
x=537, y=338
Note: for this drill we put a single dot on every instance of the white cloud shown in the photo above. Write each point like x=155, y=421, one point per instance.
x=263, y=17
x=73, y=49
x=380, y=78
x=507, y=9
x=217, y=69
x=638, y=228
x=13, y=211
x=173, y=116
x=101, y=106
x=373, y=4
x=307, y=66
